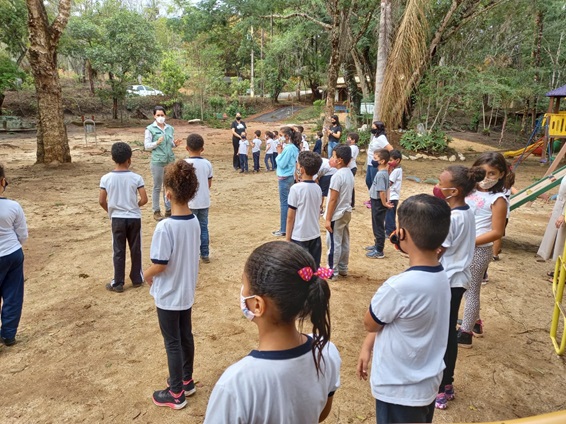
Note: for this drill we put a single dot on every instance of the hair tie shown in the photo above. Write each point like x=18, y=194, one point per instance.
x=307, y=273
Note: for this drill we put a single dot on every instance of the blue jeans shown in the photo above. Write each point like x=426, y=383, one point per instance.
x=11, y=292
x=390, y=224
x=269, y=159
x=202, y=216
x=243, y=162
x=157, y=175
x=391, y=413
x=331, y=146
x=256, y=160
x=370, y=175
x=284, y=187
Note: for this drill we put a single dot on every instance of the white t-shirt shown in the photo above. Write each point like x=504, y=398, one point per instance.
x=408, y=354
x=355, y=152
x=175, y=243
x=343, y=183
x=325, y=169
x=395, y=179
x=203, y=169
x=122, y=193
x=305, y=145
x=13, y=227
x=243, y=150
x=306, y=198
x=376, y=143
x=460, y=244
x=270, y=146
x=256, y=145
x=481, y=203
x=275, y=387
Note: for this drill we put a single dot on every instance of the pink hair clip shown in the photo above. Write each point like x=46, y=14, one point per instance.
x=307, y=273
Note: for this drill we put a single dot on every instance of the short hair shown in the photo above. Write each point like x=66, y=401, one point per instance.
x=257, y=133
x=121, y=152
x=311, y=161
x=243, y=135
x=343, y=152
x=195, y=142
x=383, y=154
x=427, y=219
x=157, y=108
x=395, y=154
x=319, y=134
x=354, y=136
x=300, y=128
x=269, y=134
x=181, y=178
x=275, y=132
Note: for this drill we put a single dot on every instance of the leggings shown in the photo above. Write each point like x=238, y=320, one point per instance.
x=157, y=175
x=480, y=262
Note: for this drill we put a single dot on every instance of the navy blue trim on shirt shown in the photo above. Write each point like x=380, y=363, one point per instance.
x=308, y=181
x=292, y=207
x=283, y=354
x=462, y=208
x=182, y=217
x=125, y=170
x=423, y=268
x=195, y=157
x=159, y=262
x=375, y=318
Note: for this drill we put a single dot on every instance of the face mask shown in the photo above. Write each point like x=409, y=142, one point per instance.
x=374, y=131
x=333, y=122
x=247, y=313
x=375, y=163
x=160, y=119
x=487, y=183
x=238, y=118
x=439, y=192
x=396, y=240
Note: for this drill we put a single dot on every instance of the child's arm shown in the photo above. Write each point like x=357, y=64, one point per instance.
x=330, y=208
x=152, y=271
x=143, y=196
x=498, y=214
x=103, y=199
x=384, y=202
x=291, y=213
x=365, y=356
x=210, y=182
x=326, y=411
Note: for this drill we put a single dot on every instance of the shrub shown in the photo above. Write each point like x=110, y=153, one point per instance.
x=431, y=142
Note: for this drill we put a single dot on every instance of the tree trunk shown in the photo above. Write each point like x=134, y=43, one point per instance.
x=503, y=127
x=383, y=45
x=316, y=95
x=536, y=58
x=334, y=63
x=361, y=72
x=2, y=97
x=90, y=75
x=52, y=141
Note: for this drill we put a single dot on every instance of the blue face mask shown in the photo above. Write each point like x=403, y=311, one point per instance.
x=247, y=313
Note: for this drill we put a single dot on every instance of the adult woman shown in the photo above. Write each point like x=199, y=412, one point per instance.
x=552, y=244
x=238, y=128
x=286, y=165
x=160, y=141
x=378, y=141
x=334, y=134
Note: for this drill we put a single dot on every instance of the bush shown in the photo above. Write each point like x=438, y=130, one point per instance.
x=365, y=137
x=432, y=142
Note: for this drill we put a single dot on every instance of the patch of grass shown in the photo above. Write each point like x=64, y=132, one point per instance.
x=307, y=114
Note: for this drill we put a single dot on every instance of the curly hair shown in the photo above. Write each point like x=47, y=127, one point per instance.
x=181, y=179
x=121, y=152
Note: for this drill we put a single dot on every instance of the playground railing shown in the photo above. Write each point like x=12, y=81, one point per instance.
x=559, y=314
x=557, y=124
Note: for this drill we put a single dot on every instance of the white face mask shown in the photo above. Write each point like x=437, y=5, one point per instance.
x=247, y=313
x=487, y=183
x=160, y=119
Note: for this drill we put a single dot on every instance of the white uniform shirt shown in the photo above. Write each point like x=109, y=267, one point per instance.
x=325, y=169
x=175, y=243
x=343, y=183
x=269, y=146
x=355, y=152
x=481, y=203
x=243, y=149
x=203, y=169
x=275, y=387
x=376, y=143
x=305, y=145
x=13, y=227
x=460, y=244
x=256, y=145
x=408, y=354
x=122, y=193
x=395, y=179
x=306, y=198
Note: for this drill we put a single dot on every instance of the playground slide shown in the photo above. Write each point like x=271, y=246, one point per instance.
x=534, y=190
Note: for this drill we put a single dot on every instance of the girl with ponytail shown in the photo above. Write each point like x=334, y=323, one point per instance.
x=298, y=373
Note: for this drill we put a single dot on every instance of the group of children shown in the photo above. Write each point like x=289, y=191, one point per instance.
x=448, y=238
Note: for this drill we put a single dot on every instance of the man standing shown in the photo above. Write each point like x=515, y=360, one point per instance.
x=238, y=127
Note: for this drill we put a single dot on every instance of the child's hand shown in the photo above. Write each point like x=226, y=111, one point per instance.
x=363, y=362
x=148, y=279
x=178, y=141
x=389, y=205
x=328, y=226
x=559, y=222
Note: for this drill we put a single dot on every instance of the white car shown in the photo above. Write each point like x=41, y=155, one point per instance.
x=143, y=90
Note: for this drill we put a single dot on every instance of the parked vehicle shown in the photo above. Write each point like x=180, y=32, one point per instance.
x=143, y=90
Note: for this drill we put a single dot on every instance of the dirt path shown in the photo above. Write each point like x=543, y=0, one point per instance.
x=87, y=355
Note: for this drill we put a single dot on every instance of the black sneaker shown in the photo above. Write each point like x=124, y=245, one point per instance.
x=478, y=328
x=118, y=288
x=168, y=398
x=464, y=339
x=9, y=342
x=188, y=386
x=136, y=285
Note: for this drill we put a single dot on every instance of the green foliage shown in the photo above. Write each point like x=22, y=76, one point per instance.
x=13, y=26
x=172, y=76
x=430, y=142
x=365, y=137
x=9, y=73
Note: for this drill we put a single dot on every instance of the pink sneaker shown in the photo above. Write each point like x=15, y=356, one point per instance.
x=368, y=204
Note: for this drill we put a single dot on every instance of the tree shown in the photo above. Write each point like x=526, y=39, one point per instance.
x=9, y=74
x=172, y=77
x=383, y=47
x=52, y=141
x=13, y=27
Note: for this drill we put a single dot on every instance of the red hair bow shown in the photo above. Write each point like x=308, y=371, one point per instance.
x=307, y=273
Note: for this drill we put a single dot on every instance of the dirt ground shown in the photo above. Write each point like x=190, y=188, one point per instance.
x=87, y=355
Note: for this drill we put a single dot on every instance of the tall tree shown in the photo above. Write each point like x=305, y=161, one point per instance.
x=52, y=141
x=383, y=47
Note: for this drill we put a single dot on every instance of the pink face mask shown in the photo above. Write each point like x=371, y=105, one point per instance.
x=438, y=192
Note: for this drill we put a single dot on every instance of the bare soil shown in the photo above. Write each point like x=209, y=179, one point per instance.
x=87, y=355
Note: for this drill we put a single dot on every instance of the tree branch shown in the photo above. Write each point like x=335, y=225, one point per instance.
x=363, y=29
x=60, y=22
x=471, y=15
x=297, y=15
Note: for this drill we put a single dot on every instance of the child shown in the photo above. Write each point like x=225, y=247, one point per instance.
x=323, y=178
x=201, y=202
x=490, y=208
x=13, y=233
x=119, y=197
x=395, y=180
x=318, y=143
x=291, y=377
x=304, y=203
x=408, y=319
x=173, y=277
x=352, y=140
x=456, y=254
x=269, y=151
x=304, y=143
x=339, y=211
x=378, y=141
x=243, y=153
x=379, y=195
x=256, y=148
x=277, y=143
x=508, y=190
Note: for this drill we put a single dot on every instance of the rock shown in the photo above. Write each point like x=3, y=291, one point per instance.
x=452, y=158
x=419, y=156
x=194, y=121
x=443, y=158
x=405, y=157
x=413, y=158
x=461, y=157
